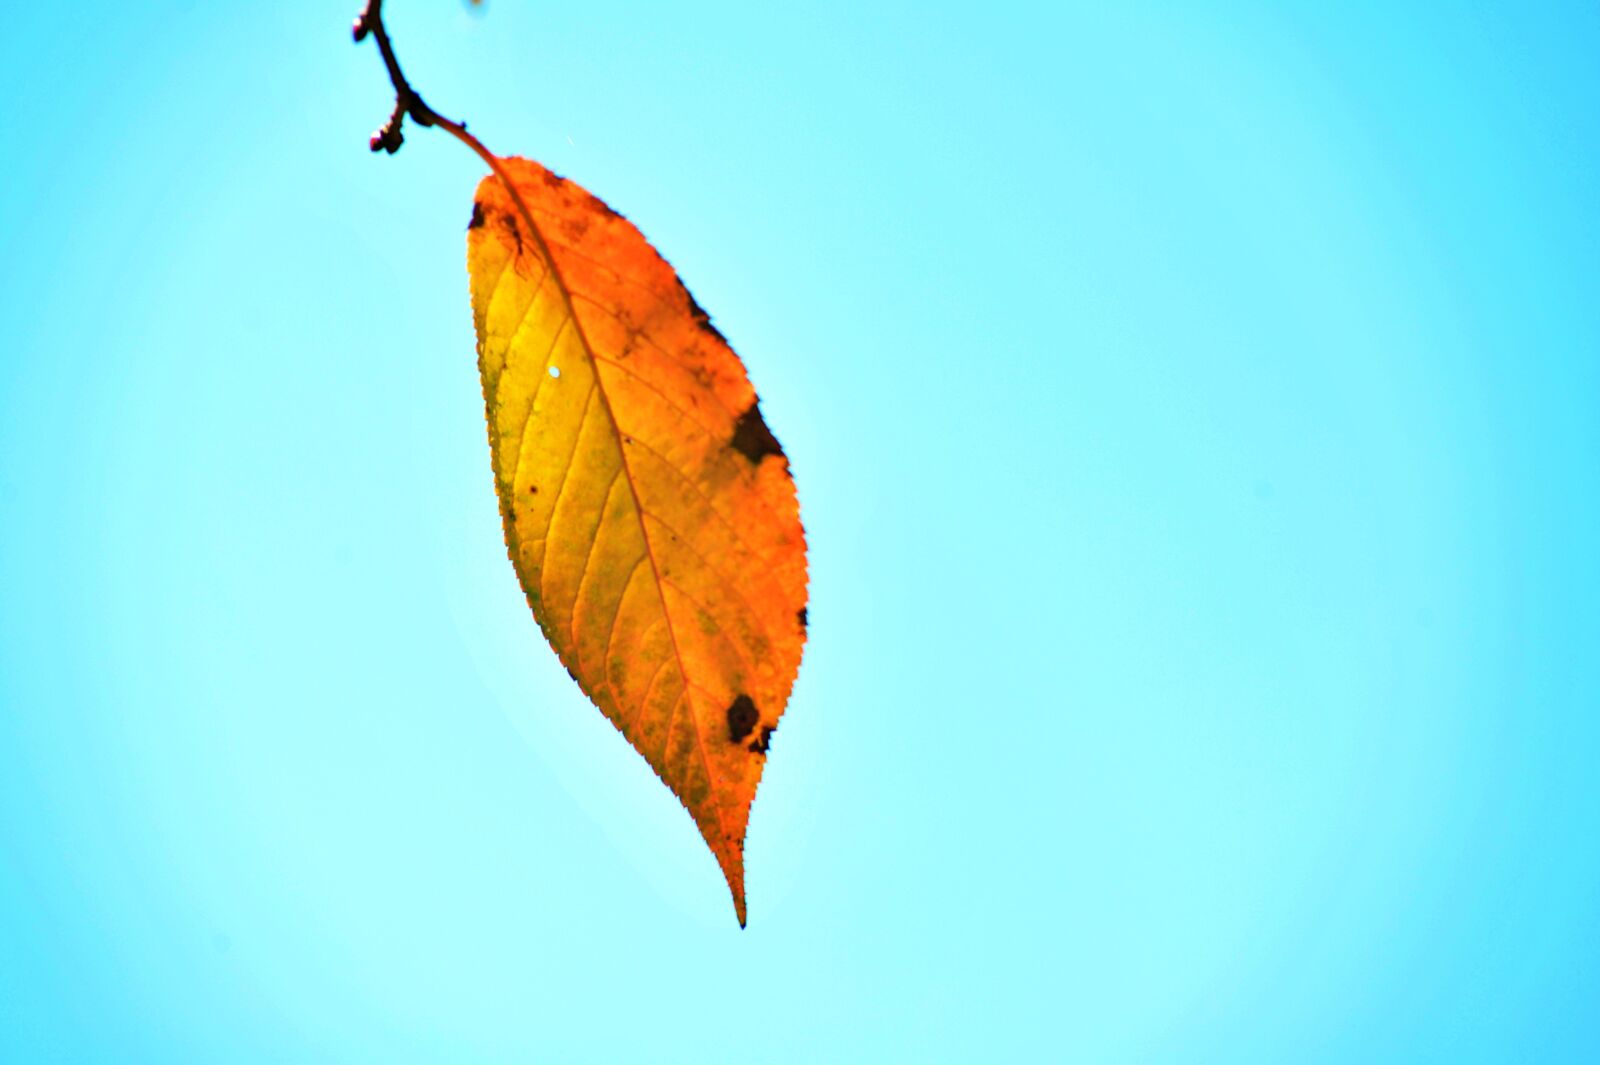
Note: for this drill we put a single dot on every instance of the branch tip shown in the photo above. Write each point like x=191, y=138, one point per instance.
x=407, y=102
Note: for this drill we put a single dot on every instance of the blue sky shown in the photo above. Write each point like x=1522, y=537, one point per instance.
x=1195, y=413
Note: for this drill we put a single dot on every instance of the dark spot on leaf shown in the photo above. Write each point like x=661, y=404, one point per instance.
x=477, y=216
x=533, y=489
x=752, y=438
x=553, y=179
x=573, y=675
x=760, y=744
x=600, y=205
x=701, y=318
x=742, y=717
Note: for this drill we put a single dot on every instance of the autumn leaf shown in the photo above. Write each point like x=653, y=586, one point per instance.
x=648, y=510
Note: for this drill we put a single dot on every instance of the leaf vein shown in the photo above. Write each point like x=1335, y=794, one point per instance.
x=710, y=505
x=715, y=624
x=611, y=634
x=588, y=557
x=566, y=475
x=721, y=576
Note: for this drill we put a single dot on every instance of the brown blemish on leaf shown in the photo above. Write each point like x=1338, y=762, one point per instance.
x=764, y=741
x=742, y=717
x=477, y=216
x=597, y=204
x=701, y=318
x=752, y=438
x=802, y=617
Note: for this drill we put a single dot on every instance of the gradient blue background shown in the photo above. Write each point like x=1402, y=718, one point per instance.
x=1196, y=410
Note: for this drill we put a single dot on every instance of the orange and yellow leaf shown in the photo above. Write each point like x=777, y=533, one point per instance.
x=648, y=510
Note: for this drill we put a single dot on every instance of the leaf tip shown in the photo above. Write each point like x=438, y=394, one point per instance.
x=732, y=863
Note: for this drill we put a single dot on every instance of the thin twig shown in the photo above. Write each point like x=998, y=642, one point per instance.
x=407, y=101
